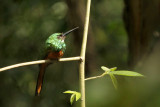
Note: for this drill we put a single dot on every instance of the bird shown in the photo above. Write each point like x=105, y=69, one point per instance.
x=54, y=49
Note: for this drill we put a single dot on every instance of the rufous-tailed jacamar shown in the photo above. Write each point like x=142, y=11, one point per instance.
x=55, y=47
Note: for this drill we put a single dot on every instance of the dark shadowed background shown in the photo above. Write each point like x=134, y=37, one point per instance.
x=122, y=33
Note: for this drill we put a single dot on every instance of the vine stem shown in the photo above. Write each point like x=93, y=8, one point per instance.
x=38, y=62
x=82, y=55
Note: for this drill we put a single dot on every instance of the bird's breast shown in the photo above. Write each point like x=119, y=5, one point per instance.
x=55, y=55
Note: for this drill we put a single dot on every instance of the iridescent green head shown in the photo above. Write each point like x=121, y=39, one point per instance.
x=55, y=42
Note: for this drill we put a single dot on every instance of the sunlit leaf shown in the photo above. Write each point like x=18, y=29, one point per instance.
x=113, y=69
x=114, y=80
x=126, y=73
x=72, y=98
x=69, y=92
x=74, y=95
x=105, y=68
x=78, y=96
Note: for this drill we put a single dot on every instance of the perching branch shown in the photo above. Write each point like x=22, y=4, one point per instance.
x=70, y=59
x=38, y=62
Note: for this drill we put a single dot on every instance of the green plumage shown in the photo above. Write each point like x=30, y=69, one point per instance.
x=55, y=42
x=55, y=47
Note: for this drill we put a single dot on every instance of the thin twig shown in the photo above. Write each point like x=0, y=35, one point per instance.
x=94, y=77
x=83, y=51
x=70, y=59
x=37, y=62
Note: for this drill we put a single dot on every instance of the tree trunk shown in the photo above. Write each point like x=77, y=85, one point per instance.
x=141, y=18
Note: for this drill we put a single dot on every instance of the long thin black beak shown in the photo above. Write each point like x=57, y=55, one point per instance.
x=66, y=33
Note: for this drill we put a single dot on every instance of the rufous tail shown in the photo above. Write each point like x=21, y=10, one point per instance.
x=40, y=78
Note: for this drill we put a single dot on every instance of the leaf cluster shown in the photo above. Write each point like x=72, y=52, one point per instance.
x=74, y=95
x=112, y=71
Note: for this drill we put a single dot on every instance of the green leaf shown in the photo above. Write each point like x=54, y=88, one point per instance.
x=105, y=68
x=69, y=92
x=126, y=73
x=74, y=95
x=114, y=80
x=113, y=69
x=72, y=98
x=78, y=96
